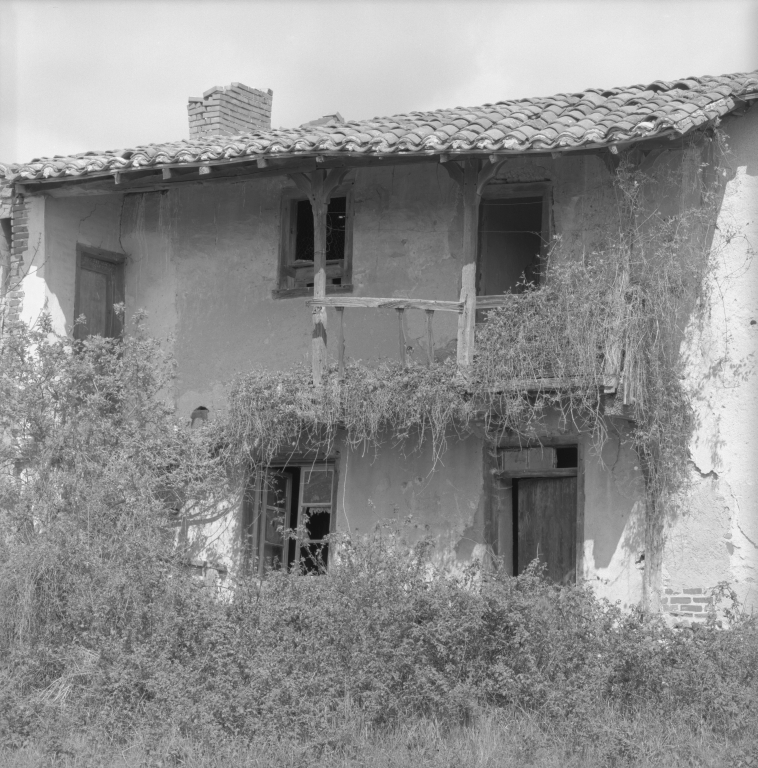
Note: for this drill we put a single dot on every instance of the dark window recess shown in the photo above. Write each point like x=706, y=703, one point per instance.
x=510, y=243
x=99, y=286
x=566, y=458
x=336, y=218
x=296, y=500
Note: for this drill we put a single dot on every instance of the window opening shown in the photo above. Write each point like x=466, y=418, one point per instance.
x=199, y=416
x=566, y=457
x=296, y=516
x=336, y=217
x=297, y=255
x=99, y=286
x=511, y=241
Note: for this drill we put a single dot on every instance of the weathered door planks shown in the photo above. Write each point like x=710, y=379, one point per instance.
x=546, y=525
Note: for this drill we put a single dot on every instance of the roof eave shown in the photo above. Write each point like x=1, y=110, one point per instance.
x=265, y=164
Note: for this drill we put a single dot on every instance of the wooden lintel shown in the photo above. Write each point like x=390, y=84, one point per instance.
x=508, y=474
x=491, y=302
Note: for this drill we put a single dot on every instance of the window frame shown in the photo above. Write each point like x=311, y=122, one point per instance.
x=288, y=216
x=115, y=287
x=255, y=507
x=495, y=190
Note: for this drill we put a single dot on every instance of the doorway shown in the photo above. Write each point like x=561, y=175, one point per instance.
x=535, y=510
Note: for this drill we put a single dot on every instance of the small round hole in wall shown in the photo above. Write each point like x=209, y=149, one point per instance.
x=199, y=416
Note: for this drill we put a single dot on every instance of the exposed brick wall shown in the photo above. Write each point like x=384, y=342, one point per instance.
x=13, y=300
x=229, y=110
x=688, y=604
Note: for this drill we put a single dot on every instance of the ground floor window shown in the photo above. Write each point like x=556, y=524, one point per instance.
x=535, y=501
x=289, y=513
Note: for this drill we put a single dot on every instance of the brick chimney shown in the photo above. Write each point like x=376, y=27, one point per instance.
x=229, y=110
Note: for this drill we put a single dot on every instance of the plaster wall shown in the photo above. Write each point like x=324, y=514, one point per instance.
x=402, y=486
x=715, y=538
x=68, y=222
x=203, y=262
x=451, y=503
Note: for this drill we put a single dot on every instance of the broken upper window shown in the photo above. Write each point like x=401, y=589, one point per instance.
x=296, y=259
x=99, y=286
x=513, y=234
x=290, y=515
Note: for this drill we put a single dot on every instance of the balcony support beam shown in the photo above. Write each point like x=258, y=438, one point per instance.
x=318, y=187
x=466, y=321
x=472, y=177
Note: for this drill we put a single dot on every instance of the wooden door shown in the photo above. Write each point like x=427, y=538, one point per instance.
x=546, y=526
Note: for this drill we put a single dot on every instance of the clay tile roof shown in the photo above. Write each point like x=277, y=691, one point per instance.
x=565, y=121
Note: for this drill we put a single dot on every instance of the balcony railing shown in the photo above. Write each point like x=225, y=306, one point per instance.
x=611, y=378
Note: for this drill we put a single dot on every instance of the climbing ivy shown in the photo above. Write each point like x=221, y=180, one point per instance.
x=598, y=340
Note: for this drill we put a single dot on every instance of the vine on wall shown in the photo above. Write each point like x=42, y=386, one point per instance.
x=611, y=322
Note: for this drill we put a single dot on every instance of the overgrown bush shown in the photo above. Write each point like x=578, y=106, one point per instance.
x=102, y=630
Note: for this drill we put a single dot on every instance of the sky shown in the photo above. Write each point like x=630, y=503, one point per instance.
x=77, y=76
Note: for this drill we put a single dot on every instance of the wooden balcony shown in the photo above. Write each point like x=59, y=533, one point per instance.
x=472, y=175
x=400, y=305
x=464, y=356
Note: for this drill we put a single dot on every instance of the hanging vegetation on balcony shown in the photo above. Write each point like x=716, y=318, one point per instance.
x=600, y=336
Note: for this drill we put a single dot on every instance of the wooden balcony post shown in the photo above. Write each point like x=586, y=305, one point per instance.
x=429, y=337
x=467, y=318
x=473, y=178
x=401, y=336
x=318, y=340
x=341, y=343
x=318, y=186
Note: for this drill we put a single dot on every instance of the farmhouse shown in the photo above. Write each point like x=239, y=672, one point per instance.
x=424, y=245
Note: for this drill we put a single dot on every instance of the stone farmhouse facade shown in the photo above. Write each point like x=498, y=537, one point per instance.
x=252, y=248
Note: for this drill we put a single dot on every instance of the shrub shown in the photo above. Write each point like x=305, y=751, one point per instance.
x=101, y=628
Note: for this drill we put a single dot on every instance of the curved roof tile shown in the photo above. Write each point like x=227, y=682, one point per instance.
x=563, y=121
